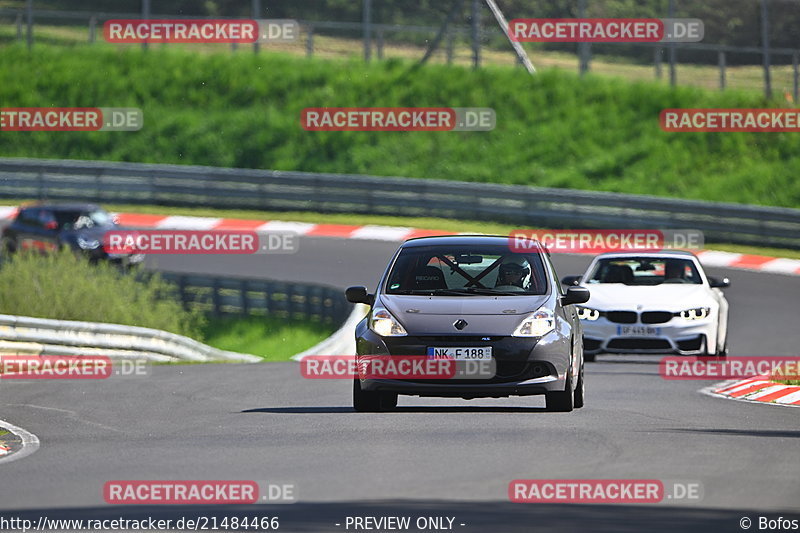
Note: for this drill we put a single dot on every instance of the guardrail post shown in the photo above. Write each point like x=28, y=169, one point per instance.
x=476, y=33
x=145, y=16
x=244, y=288
x=29, y=17
x=583, y=48
x=310, y=42
x=721, y=70
x=380, y=44
x=796, y=78
x=182, y=290
x=18, y=23
x=92, y=28
x=450, y=46
x=256, y=16
x=367, y=27
x=673, y=52
x=659, y=51
x=765, y=48
x=215, y=297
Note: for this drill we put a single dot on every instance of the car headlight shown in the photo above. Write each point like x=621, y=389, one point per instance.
x=88, y=244
x=384, y=324
x=697, y=313
x=585, y=313
x=536, y=324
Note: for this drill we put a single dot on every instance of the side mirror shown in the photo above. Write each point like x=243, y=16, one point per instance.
x=570, y=280
x=575, y=295
x=358, y=295
x=719, y=283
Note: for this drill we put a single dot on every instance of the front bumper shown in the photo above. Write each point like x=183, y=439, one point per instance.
x=678, y=336
x=524, y=366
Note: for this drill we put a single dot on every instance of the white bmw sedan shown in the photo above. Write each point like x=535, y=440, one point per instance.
x=656, y=302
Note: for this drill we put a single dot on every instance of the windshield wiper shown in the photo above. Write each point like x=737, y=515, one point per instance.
x=493, y=292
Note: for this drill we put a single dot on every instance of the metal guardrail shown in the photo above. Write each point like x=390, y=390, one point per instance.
x=40, y=336
x=212, y=294
x=213, y=187
x=242, y=296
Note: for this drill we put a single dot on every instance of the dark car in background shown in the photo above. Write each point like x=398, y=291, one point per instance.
x=51, y=226
x=468, y=296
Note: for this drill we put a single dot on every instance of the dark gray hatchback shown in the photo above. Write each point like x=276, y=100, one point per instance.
x=471, y=297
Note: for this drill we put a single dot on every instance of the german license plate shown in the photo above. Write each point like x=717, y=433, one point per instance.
x=472, y=353
x=638, y=331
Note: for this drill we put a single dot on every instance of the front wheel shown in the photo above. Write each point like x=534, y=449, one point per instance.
x=561, y=401
x=372, y=401
x=580, y=391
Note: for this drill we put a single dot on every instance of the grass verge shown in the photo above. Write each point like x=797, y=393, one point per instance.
x=555, y=129
x=273, y=339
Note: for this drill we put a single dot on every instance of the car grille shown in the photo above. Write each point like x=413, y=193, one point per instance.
x=691, y=345
x=591, y=344
x=621, y=317
x=639, y=344
x=656, y=317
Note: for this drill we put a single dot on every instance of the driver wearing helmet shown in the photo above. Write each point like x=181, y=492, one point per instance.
x=514, y=271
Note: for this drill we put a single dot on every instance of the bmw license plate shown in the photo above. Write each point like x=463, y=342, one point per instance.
x=472, y=353
x=638, y=331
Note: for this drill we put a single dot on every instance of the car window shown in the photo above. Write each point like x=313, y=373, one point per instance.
x=29, y=216
x=465, y=268
x=645, y=271
x=80, y=219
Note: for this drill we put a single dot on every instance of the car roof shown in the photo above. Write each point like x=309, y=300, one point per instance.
x=451, y=240
x=61, y=206
x=659, y=253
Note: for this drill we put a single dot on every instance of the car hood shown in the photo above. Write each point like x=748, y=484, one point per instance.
x=485, y=315
x=667, y=296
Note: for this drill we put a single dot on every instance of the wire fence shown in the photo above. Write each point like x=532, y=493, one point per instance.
x=473, y=38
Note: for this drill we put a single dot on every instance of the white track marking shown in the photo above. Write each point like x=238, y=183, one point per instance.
x=301, y=228
x=381, y=233
x=189, y=223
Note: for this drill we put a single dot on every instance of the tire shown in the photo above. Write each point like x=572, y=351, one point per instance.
x=561, y=401
x=372, y=401
x=580, y=391
x=589, y=357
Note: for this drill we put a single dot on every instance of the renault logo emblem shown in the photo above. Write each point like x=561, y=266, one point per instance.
x=460, y=324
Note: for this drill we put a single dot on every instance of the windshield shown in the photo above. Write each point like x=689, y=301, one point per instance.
x=645, y=271
x=466, y=270
x=80, y=219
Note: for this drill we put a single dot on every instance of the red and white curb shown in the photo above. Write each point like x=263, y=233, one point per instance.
x=710, y=258
x=758, y=389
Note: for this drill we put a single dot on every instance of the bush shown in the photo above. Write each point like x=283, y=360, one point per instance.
x=64, y=286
